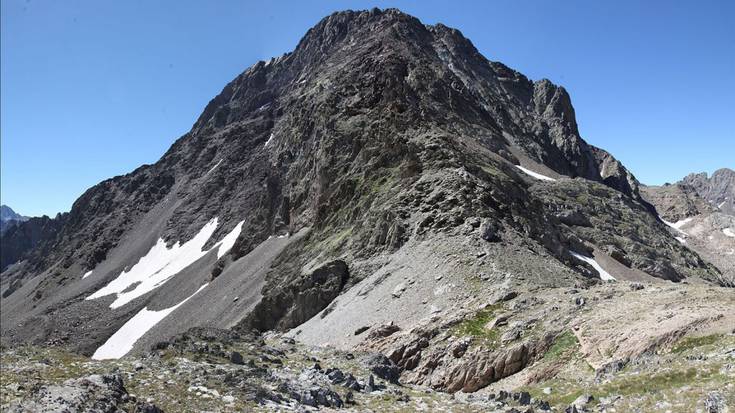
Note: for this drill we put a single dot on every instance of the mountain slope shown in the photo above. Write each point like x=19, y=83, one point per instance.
x=699, y=209
x=325, y=173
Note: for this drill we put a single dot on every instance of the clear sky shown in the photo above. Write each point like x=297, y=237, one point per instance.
x=92, y=89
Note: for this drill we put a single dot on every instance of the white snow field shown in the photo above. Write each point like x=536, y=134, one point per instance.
x=161, y=263
x=535, y=174
x=229, y=240
x=729, y=232
x=678, y=224
x=604, y=275
x=120, y=343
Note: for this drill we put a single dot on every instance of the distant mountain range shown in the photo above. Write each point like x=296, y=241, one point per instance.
x=7, y=214
x=9, y=218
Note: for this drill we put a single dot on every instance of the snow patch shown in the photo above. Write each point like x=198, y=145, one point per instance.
x=729, y=232
x=229, y=240
x=269, y=140
x=87, y=274
x=120, y=343
x=678, y=224
x=535, y=174
x=680, y=239
x=214, y=167
x=604, y=275
x=161, y=263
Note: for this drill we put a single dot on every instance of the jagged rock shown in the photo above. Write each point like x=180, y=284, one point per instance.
x=718, y=190
x=513, y=334
x=335, y=375
x=523, y=398
x=298, y=297
x=477, y=369
x=618, y=255
x=498, y=321
x=382, y=367
x=361, y=330
x=460, y=346
x=370, y=384
x=352, y=383
x=507, y=296
x=384, y=330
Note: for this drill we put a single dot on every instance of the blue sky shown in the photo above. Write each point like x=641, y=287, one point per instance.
x=92, y=89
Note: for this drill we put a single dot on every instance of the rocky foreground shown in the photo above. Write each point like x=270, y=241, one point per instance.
x=673, y=351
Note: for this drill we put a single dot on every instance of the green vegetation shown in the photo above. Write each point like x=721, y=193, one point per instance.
x=688, y=343
x=475, y=326
x=562, y=347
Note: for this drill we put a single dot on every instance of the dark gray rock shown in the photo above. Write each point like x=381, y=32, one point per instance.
x=236, y=358
x=336, y=376
x=294, y=298
x=490, y=231
x=382, y=367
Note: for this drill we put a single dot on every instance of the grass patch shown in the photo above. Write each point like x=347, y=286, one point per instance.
x=688, y=343
x=475, y=326
x=562, y=346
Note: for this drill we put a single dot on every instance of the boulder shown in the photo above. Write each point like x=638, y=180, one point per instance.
x=382, y=367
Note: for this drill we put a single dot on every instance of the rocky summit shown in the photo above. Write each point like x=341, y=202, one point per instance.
x=381, y=220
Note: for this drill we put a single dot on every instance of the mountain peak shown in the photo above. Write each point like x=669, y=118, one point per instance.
x=7, y=214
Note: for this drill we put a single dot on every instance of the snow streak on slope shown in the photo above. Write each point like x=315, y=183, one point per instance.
x=678, y=224
x=681, y=240
x=214, y=167
x=124, y=339
x=535, y=174
x=604, y=275
x=161, y=263
x=86, y=274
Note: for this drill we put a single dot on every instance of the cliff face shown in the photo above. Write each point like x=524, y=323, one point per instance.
x=375, y=135
x=718, y=190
